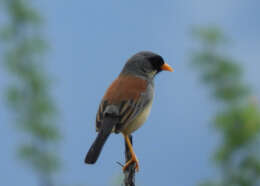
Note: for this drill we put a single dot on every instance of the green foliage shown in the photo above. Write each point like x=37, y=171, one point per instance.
x=209, y=37
x=28, y=93
x=238, y=121
x=46, y=162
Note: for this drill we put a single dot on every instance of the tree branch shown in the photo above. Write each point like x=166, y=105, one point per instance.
x=129, y=173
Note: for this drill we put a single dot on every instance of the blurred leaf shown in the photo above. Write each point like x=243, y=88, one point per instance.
x=211, y=36
x=28, y=94
x=22, y=12
x=38, y=158
x=238, y=121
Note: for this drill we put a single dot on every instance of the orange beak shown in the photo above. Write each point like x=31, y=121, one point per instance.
x=167, y=67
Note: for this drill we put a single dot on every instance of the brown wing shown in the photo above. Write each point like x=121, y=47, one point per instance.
x=124, y=92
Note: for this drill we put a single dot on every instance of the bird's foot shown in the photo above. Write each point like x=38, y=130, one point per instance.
x=132, y=160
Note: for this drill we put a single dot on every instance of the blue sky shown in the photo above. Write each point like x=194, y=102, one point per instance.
x=90, y=42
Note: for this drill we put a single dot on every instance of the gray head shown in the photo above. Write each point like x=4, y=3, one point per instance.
x=145, y=64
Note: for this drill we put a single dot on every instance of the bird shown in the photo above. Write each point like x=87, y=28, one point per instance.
x=127, y=102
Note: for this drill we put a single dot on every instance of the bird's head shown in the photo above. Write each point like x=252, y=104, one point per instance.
x=146, y=64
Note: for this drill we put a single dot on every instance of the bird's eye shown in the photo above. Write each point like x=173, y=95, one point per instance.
x=156, y=62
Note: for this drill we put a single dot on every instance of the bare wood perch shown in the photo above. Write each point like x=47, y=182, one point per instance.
x=129, y=173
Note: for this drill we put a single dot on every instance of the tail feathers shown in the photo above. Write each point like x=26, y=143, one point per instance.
x=96, y=147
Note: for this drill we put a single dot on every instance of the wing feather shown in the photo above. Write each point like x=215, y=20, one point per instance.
x=126, y=93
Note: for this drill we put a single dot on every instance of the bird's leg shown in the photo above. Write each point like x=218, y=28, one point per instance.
x=133, y=156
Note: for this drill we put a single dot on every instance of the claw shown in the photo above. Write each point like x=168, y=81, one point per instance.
x=133, y=160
